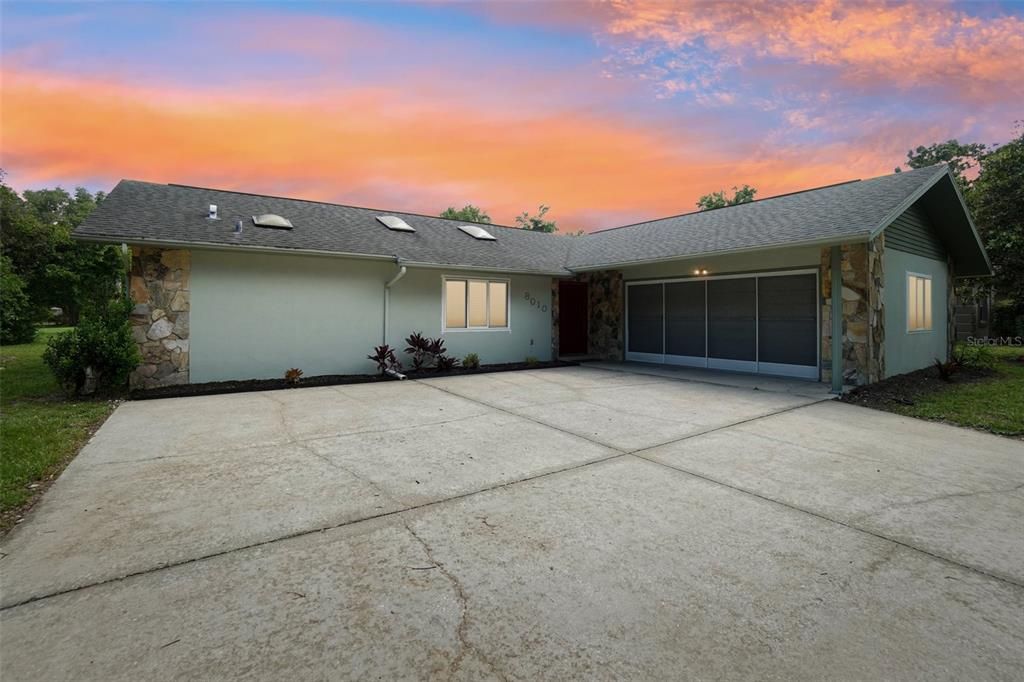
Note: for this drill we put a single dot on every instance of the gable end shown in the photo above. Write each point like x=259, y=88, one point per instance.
x=912, y=232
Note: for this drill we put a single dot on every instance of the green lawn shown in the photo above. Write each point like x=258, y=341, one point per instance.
x=40, y=429
x=995, y=404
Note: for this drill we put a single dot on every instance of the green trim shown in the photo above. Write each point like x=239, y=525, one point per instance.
x=836, y=277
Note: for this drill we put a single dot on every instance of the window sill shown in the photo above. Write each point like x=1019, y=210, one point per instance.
x=507, y=330
x=920, y=331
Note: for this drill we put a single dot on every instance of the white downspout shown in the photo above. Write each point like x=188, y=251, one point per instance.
x=387, y=300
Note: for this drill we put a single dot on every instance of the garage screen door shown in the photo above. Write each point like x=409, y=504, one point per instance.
x=761, y=323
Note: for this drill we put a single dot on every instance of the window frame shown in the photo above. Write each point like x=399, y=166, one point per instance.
x=507, y=328
x=929, y=302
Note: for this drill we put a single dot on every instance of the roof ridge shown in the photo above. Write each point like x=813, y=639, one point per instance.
x=720, y=208
x=327, y=203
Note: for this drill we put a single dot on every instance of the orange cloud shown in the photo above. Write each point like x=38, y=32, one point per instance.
x=867, y=42
x=358, y=148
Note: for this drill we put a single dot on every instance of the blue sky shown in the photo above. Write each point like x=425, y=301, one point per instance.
x=610, y=112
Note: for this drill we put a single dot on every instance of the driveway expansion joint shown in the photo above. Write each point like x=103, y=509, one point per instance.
x=927, y=500
x=846, y=524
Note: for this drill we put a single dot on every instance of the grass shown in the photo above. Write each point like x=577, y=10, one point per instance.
x=993, y=404
x=40, y=428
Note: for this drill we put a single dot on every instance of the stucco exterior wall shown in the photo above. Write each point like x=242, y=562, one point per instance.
x=416, y=306
x=256, y=315
x=907, y=351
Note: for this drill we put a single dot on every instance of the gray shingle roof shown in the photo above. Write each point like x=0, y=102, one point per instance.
x=850, y=210
x=140, y=212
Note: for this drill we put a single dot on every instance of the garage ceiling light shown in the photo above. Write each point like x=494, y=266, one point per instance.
x=477, y=232
x=272, y=220
x=395, y=223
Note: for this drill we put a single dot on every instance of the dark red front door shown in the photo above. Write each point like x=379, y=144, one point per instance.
x=572, y=318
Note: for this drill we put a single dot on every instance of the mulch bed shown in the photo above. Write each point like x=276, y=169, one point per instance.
x=220, y=387
x=906, y=388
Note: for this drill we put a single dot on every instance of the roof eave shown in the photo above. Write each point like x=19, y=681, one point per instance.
x=221, y=246
x=824, y=241
x=483, y=268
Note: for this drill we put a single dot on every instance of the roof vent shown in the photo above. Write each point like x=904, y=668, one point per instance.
x=213, y=212
x=477, y=232
x=272, y=220
x=395, y=223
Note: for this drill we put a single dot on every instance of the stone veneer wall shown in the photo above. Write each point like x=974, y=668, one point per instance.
x=863, y=312
x=160, y=291
x=606, y=314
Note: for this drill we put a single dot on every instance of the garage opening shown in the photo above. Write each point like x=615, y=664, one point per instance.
x=764, y=323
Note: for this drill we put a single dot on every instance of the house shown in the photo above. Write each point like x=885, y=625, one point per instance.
x=231, y=285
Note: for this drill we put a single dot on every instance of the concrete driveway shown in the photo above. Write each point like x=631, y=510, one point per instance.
x=549, y=524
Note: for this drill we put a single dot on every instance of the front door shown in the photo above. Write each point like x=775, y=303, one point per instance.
x=572, y=318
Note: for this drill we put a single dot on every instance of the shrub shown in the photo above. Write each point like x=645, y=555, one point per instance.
x=293, y=376
x=443, y=363
x=471, y=361
x=532, y=361
x=16, y=310
x=419, y=347
x=975, y=356
x=425, y=351
x=98, y=354
x=385, y=358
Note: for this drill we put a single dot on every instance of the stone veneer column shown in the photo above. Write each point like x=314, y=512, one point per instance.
x=160, y=291
x=863, y=312
x=605, y=314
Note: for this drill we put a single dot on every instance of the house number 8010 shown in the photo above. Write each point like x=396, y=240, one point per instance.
x=535, y=303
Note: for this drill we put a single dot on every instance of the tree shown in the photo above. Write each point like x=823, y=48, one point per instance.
x=56, y=269
x=16, y=312
x=741, y=195
x=537, y=223
x=996, y=199
x=960, y=157
x=468, y=213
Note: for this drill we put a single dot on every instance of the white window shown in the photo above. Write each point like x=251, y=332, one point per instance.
x=475, y=304
x=919, y=302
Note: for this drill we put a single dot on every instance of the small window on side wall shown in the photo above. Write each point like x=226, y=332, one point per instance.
x=475, y=304
x=919, y=302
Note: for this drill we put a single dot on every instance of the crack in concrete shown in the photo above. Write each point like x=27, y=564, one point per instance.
x=465, y=646
x=936, y=498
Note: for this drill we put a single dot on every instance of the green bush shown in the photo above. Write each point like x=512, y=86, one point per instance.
x=102, y=342
x=471, y=361
x=16, y=310
x=976, y=356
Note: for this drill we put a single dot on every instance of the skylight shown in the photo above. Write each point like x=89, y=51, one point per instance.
x=272, y=220
x=477, y=232
x=395, y=223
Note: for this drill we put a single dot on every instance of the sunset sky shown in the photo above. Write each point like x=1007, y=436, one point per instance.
x=610, y=112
